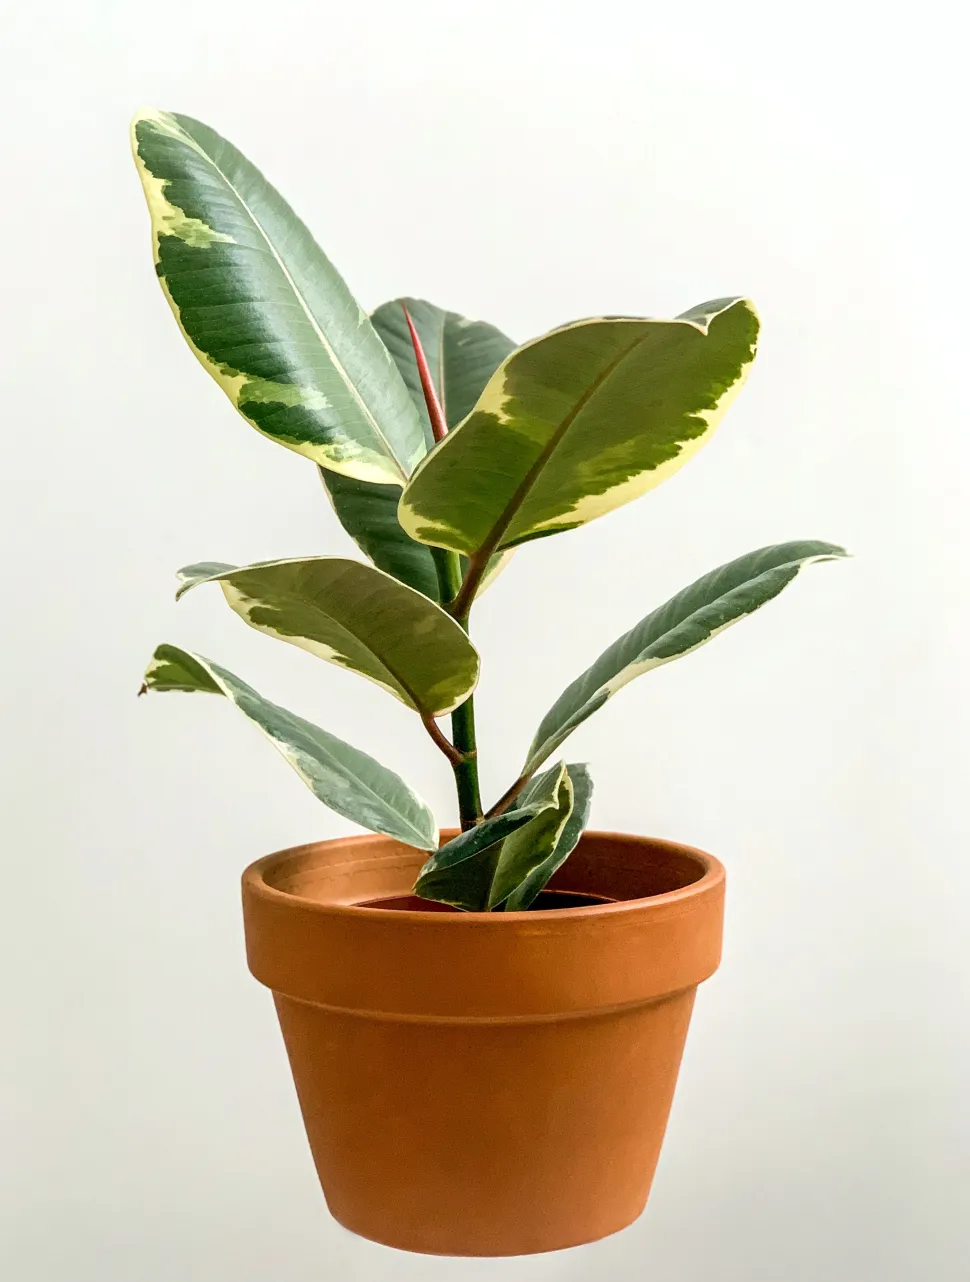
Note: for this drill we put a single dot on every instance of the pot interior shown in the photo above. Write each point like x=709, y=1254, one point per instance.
x=615, y=866
x=544, y=901
x=604, y=867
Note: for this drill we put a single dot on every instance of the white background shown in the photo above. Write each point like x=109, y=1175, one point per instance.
x=528, y=163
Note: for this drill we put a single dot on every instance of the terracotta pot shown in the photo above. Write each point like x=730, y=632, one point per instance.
x=484, y=1083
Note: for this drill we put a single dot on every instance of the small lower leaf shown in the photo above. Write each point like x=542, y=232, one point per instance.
x=461, y=873
x=526, y=891
x=342, y=777
x=533, y=845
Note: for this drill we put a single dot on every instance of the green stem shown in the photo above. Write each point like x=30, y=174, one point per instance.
x=465, y=595
x=466, y=770
x=448, y=569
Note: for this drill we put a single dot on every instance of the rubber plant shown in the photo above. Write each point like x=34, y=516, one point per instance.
x=443, y=447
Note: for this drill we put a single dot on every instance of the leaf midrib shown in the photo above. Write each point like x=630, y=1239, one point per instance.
x=518, y=498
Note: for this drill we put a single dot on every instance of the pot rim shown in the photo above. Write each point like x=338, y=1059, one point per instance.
x=713, y=874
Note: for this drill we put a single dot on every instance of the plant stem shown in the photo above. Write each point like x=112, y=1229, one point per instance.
x=462, y=752
x=462, y=604
x=466, y=770
x=465, y=767
x=440, y=741
x=448, y=569
x=508, y=797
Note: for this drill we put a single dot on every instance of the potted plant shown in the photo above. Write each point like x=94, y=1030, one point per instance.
x=485, y=1024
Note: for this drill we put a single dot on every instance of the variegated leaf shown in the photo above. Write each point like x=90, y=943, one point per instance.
x=343, y=778
x=462, y=872
x=578, y=422
x=525, y=853
x=356, y=616
x=264, y=310
x=688, y=620
x=540, y=872
x=462, y=355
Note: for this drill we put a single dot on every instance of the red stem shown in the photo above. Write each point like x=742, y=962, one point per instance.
x=454, y=755
x=439, y=424
x=507, y=798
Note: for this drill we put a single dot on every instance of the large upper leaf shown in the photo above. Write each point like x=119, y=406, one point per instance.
x=343, y=778
x=355, y=616
x=688, y=620
x=264, y=310
x=578, y=422
x=538, y=870
x=462, y=355
x=462, y=871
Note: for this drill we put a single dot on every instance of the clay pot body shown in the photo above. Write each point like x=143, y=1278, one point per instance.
x=484, y=1083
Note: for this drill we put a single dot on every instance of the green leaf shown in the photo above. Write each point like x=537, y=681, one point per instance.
x=462, y=872
x=536, y=844
x=687, y=621
x=356, y=616
x=462, y=355
x=343, y=778
x=264, y=310
x=536, y=880
x=578, y=422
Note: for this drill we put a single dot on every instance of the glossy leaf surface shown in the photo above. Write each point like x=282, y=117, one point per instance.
x=355, y=616
x=578, y=422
